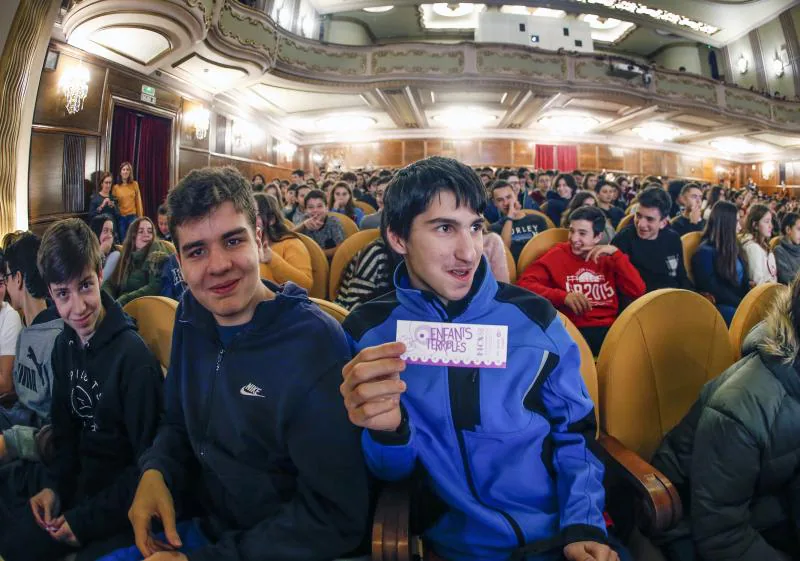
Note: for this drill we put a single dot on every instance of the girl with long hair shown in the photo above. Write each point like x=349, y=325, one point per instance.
x=340, y=200
x=139, y=270
x=564, y=188
x=275, y=191
x=720, y=263
x=129, y=198
x=716, y=193
x=102, y=201
x=284, y=256
x=103, y=227
x=755, y=238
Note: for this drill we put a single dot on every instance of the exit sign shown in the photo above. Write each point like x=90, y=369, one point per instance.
x=149, y=90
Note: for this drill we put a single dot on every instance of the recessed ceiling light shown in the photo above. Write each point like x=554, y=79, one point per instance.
x=733, y=145
x=607, y=30
x=379, y=9
x=569, y=123
x=453, y=10
x=344, y=122
x=657, y=132
x=464, y=118
x=530, y=11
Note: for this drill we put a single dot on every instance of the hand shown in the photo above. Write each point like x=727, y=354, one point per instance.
x=695, y=215
x=589, y=551
x=312, y=224
x=515, y=212
x=45, y=506
x=153, y=499
x=599, y=250
x=104, y=203
x=167, y=556
x=61, y=532
x=105, y=247
x=372, y=387
x=578, y=303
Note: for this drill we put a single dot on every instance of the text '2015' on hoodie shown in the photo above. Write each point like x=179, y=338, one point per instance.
x=107, y=400
x=260, y=426
x=504, y=448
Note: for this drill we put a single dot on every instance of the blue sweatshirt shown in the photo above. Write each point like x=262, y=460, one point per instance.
x=259, y=429
x=504, y=449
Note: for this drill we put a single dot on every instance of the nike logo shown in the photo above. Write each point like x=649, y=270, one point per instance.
x=251, y=390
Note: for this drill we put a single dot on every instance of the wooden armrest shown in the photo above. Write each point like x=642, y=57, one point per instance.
x=390, y=526
x=658, y=504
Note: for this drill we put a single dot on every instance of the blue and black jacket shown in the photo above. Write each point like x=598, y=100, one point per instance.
x=504, y=449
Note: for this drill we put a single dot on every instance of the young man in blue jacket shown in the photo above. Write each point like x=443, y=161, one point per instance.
x=505, y=449
x=254, y=429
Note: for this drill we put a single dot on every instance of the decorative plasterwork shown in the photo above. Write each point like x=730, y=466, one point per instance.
x=685, y=87
x=399, y=60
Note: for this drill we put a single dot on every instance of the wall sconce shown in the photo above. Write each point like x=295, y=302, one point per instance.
x=767, y=169
x=317, y=158
x=742, y=64
x=74, y=84
x=199, y=119
x=777, y=67
x=286, y=149
x=244, y=133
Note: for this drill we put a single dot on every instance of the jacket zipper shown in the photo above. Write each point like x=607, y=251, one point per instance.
x=210, y=403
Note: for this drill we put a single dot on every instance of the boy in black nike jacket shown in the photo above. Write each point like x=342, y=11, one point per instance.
x=107, y=398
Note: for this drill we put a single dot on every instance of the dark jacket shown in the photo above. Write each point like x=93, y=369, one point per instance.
x=112, y=211
x=734, y=457
x=556, y=205
x=707, y=280
x=172, y=283
x=260, y=428
x=107, y=399
x=144, y=276
x=659, y=261
x=787, y=259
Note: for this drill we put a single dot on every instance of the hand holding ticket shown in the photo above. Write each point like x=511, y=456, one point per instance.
x=453, y=344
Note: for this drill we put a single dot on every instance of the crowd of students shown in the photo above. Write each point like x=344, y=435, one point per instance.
x=237, y=461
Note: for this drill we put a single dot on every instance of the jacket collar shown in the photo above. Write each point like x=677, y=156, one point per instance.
x=790, y=247
x=427, y=306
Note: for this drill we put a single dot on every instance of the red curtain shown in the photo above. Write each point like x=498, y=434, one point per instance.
x=567, y=158
x=545, y=156
x=153, y=162
x=123, y=139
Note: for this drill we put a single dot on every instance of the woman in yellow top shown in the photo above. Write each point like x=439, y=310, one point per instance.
x=284, y=257
x=129, y=198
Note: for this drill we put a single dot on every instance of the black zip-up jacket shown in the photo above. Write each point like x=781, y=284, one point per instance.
x=107, y=401
x=261, y=427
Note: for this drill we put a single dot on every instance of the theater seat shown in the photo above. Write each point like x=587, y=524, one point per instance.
x=289, y=224
x=538, y=245
x=588, y=368
x=624, y=222
x=690, y=243
x=512, y=267
x=334, y=310
x=319, y=267
x=344, y=254
x=366, y=207
x=773, y=243
x=155, y=318
x=752, y=309
x=348, y=225
x=549, y=222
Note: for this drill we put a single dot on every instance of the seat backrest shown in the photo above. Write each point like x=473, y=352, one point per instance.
x=366, y=207
x=655, y=359
x=773, y=243
x=752, y=309
x=538, y=245
x=588, y=368
x=348, y=225
x=344, y=254
x=335, y=311
x=544, y=205
x=155, y=318
x=512, y=267
x=690, y=243
x=319, y=267
x=289, y=224
x=538, y=213
x=624, y=222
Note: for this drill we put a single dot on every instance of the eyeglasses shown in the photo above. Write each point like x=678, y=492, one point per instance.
x=3, y=280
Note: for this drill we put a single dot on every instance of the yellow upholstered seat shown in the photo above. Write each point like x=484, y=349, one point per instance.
x=366, y=207
x=538, y=213
x=319, y=267
x=624, y=222
x=512, y=267
x=539, y=245
x=155, y=318
x=752, y=309
x=335, y=311
x=348, y=225
x=344, y=254
x=690, y=243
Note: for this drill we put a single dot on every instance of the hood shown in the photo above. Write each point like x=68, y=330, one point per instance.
x=112, y=324
x=776, y=336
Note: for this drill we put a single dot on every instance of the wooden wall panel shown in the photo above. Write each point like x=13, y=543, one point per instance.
x=50, y=102
x=45, y=175
x=467, y=152
x=499, y=151
x=414, y=150
x=670, y=164
x=632, y=161
x=523, y=153
x=611, y=158
x=388, y=153
x=587, y=157
x=249, y=168
x=189, y=160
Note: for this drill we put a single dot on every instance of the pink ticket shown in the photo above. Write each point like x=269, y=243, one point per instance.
x=453, y=344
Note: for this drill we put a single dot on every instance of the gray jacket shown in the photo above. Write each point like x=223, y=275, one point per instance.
x=787, y=258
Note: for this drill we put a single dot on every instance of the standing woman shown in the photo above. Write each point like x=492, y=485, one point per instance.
x=757, y=232
x=341, y=200
x=284, y=256
x=103, y=202
x=129, y=198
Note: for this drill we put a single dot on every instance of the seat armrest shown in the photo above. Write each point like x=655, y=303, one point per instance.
x=391, y=524
x=658, y=505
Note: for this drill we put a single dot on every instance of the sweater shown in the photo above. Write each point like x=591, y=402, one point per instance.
x=367, y=276
x=144, y=275
x=682, y=225
x=761, y=265
x=707, y=280
x=659, y=261
x=787, y=260
x=129, y=198
x=290, y=262
x=559, y=272
x=107, y=400
x=556, y=205
x=256, y=432
x=112, y=211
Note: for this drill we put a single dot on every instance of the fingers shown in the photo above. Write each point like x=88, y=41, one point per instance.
x=37, y=513
x=373, y=354
x=374, y=391
x=141, y=531
x=166, y=512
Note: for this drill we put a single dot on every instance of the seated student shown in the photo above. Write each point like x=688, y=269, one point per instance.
x=587, y=198
x=787, y=252
x=290, y=196
x=691, y=217
x=299, y=216
x=716, y=193
x=105, y=410
x=341, y=202
x=606, y=192
x=139, y=270
x=733, y=457
x=103, y=227
x=163, y=223
x=283, y=254
x=581, y=277
x=532, y=485
x=719, y=262
x=368, y=275
x=756, y=233
x=10, y=326
x=515, y=227
x=374, y=220
x=369, y=196
x=267, y=450
x=653, y=248
x=535, y=197
x=320, y=225
x=559, y=197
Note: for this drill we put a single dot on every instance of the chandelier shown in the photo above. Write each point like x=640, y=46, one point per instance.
x=74, y=84
x=199, y=120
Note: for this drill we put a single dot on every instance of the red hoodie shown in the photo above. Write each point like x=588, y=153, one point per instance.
x=559, y=271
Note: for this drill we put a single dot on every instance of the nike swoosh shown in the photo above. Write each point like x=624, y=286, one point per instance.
x=249, y=393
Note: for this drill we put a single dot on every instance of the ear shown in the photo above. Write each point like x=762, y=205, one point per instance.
x=398, y=244
x=100, y=276
x=664, y=222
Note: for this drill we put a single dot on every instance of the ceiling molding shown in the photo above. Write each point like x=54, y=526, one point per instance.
x=629, y=120
x=758, y=60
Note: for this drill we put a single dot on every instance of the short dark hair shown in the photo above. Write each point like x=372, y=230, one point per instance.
x=593, y=214
x=21, y=257
x=263, y=179
x=68, y=247
x=685, y=189
x=316, y=194
x=163, y=210
x=413, y=188
x=97, y=223
x=499, y=184
x=299, y=173
x=788, y=221
x=506, y=173
x=292, y=188
x=349, y=176
x=203, y=190
x=656, y=197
